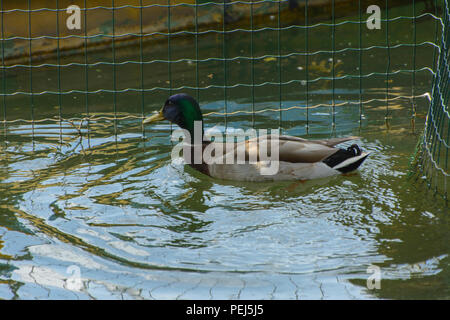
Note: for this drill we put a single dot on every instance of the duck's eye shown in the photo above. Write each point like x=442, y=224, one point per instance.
x=171, y=112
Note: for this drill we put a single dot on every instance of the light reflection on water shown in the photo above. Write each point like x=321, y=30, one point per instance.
x=140, y=226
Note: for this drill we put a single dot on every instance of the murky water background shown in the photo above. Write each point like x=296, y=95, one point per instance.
x=107, y=214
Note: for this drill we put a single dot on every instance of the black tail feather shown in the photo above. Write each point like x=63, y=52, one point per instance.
x=353, y=166
x=343, y=154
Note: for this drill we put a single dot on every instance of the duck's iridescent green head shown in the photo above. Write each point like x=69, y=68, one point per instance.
x=180, y=109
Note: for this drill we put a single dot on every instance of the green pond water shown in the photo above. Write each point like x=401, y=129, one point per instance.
x=103, y=212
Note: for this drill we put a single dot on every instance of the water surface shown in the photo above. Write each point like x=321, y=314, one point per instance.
x=107, y=203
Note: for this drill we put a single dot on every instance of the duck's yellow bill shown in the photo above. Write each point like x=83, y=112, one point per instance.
x=153, y=118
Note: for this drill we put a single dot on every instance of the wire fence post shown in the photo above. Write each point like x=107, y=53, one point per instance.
x=58, y=59
x=114, y=65
x=280, y=125
x=224, y=54
x=86, y=72
x=141, y=60
x=252, y=57
x=30, y=35
x=333, y=76
x=307, y=66
x=5, y=122
x=388, y=66
x=360, y=65
x=413, y=85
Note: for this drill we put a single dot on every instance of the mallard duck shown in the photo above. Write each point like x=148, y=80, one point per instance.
x=298, y=158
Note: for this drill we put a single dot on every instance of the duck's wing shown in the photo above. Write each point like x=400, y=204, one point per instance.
x=326, y=142
x=291, y=149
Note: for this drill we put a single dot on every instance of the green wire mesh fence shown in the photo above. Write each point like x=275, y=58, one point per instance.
x=114, y=61
x=433, y=153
